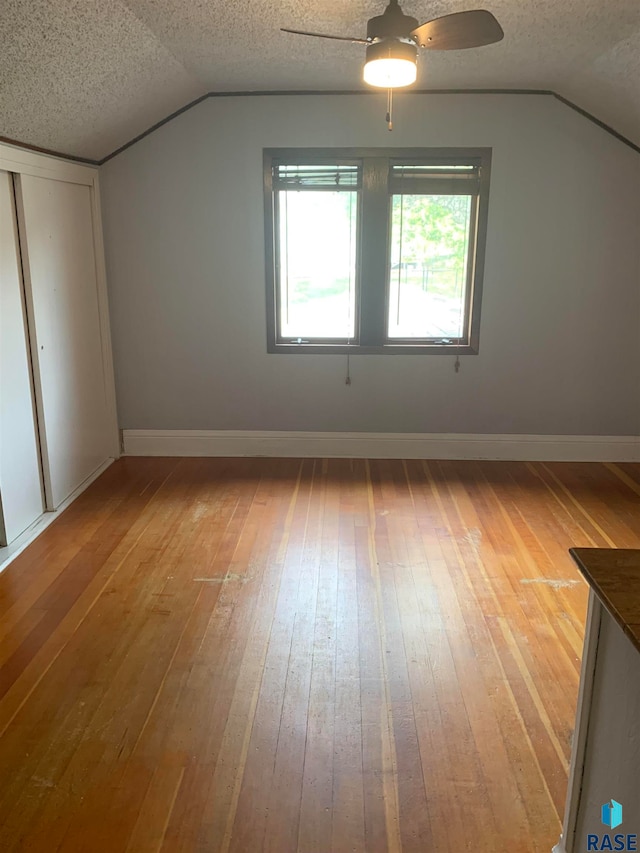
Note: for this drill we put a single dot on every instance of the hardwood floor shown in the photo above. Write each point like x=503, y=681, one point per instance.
x=286, y=655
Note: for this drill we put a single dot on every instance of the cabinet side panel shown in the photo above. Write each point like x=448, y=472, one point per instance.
x=612, y=753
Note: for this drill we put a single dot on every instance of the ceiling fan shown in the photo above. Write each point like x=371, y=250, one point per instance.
x=393, y=39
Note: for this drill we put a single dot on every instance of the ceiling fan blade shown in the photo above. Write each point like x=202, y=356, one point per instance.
x=459, y=30
x=324, y=36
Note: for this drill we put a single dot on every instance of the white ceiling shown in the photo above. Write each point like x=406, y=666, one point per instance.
x=85, y=76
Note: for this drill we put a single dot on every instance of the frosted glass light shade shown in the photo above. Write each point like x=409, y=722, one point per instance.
x=390, y=73
x=391, y=64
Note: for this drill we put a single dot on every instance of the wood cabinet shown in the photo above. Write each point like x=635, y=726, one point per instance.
x=606, y=744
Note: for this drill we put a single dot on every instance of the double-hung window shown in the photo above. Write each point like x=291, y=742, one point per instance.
x=376, y=250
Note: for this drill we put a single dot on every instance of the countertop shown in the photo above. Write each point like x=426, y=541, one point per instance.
x=614, y=576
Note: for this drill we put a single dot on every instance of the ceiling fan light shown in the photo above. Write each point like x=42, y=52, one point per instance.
x=391, y=64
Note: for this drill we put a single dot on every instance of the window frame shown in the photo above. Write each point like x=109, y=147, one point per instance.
x=372, y=285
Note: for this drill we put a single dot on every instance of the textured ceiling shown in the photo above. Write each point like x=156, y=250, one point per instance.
x=85, y=77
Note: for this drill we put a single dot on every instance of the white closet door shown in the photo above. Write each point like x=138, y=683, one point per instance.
x=20, y=480
x=62, y=297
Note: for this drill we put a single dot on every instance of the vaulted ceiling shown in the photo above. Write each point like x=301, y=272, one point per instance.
x=85, y=76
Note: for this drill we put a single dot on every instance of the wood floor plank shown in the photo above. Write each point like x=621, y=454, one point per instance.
x=285, y=794
x=315, y=827
x=257, y=778
x=347, y=831
x=324, y=656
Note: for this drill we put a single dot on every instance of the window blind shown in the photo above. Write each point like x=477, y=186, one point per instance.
x=316, y=176
x=447, y=179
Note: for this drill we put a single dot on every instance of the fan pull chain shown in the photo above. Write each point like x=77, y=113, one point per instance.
x=389, y=118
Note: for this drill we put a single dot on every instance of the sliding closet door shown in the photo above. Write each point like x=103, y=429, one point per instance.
x=60, y=279
x=20, y=481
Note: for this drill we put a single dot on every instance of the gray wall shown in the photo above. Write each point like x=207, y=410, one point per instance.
x=559, y=341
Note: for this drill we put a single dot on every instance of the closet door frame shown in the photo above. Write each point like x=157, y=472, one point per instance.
x=23, y=162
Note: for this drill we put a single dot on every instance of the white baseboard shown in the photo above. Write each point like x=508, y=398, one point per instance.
x=9, y=552
x=372, y=445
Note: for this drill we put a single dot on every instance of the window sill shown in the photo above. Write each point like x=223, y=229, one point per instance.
x=386, y=349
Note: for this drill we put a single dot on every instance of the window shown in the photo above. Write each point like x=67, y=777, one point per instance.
x=375, y=251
